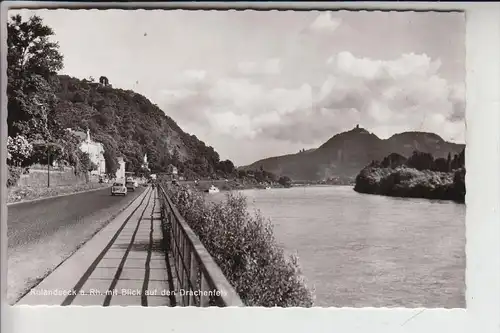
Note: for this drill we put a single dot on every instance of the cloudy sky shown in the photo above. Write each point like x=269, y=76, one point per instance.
x=258, y=84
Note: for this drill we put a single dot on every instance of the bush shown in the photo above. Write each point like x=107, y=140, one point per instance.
x=245, y=249
x=14, y=175
x=18, y=150
x=285, y=181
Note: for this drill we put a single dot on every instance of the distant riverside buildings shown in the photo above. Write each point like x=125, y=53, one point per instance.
x=93, y=148
x=172, y=172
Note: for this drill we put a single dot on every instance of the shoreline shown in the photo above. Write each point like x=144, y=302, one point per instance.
x=203, y=188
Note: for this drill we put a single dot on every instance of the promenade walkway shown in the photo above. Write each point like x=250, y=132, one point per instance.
x=123, y=264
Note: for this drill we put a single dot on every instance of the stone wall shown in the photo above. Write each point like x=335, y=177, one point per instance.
x=38, y=178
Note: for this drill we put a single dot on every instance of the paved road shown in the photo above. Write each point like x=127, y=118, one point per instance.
x=28, y=222
x=43, y=234
x=124, y=264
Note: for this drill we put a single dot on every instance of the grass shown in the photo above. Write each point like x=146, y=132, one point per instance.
x=18, y=194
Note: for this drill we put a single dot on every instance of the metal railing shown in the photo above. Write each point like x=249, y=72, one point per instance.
x=200, y=281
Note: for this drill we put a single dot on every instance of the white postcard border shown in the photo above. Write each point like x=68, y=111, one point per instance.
x=482, y=216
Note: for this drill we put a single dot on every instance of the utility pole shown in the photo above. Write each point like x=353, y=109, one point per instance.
x=48, y=166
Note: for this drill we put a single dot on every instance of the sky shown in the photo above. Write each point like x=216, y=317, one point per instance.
x=256, y=84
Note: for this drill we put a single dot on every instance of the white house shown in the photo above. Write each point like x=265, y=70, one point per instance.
x=94, y=149
x=145, y=163
x=120, y=173
x=172, y=170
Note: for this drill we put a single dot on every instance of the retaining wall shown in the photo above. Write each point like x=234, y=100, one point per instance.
x=58, y=177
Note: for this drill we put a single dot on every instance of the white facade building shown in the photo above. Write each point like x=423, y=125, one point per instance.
x=96, y=154
x=145, y=163
x=120, y=173
x=94, y=149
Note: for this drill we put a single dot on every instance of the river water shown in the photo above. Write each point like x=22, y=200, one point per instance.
x=359, y=250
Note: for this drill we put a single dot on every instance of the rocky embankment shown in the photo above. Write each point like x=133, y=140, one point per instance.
x=412, y=183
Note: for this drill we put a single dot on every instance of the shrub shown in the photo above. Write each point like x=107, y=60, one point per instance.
x=285, y=181
x=244, y=247
x=18, y=150
x=14, y=175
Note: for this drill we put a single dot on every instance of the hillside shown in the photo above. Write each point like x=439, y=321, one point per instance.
x=129, y=124
x=43, y=104
x=345, y=154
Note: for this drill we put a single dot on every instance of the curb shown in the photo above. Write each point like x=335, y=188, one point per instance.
x=55, y=196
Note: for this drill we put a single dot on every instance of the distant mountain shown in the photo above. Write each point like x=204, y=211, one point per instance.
x=345, y=154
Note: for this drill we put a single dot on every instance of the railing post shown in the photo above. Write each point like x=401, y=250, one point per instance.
x=193, y=277
x=174, y=242
x=204, y=299
x=179, y=258
x=187, y=274
x=181, y=269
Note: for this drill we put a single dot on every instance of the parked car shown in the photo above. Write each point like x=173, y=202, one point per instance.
x=130, y=186
x=119, y=188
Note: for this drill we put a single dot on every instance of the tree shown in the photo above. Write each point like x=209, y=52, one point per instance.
x=92, y=166
x=176, y=156
x=227, y=167
x=103, y=80
x=29, y=48
x=18, y=150
x=393, y=161
x=440, y=164
x=421, y=161
x=84, y=164
x=46, y=152
x=32, y=61
x=111, y=161
x=458, y=161
x=285, y=181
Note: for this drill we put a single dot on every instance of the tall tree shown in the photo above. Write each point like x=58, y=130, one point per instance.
x=29, y=48
x=32, y=61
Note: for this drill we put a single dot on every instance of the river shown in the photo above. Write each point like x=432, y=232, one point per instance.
x=360, y=250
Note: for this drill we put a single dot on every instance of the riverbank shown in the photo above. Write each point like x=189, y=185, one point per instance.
x=240, y=186
x=229, y=185
x=25, y=193
x=412, y=183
